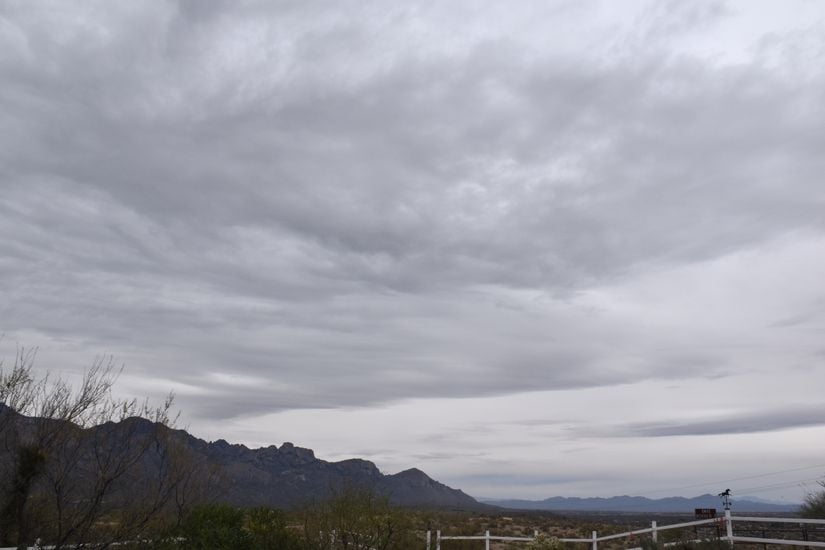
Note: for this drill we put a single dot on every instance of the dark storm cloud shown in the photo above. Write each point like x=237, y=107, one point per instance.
x=744, y=423
x=315, y=196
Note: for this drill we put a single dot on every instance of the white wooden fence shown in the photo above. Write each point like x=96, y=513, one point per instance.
x=726, y=522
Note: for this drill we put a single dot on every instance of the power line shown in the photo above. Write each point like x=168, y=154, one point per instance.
x=729, y=481
x=779, y=485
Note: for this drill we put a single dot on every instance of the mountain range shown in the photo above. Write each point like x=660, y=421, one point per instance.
x=283, y=477
x=289, y=476
x=642, y=504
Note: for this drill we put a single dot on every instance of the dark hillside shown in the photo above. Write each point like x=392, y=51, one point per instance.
x=285, y=476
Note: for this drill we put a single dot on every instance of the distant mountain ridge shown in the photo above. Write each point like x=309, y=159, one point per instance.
x=641, y=504
x=285, y=476
x=288, y=476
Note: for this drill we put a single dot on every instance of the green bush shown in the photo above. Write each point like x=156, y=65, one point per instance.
x=222, y=527
x=356, y=517
x=215, y=527
x=267, y=530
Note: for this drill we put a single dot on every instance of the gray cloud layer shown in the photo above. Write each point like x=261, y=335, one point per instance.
x=287, y=205
x=744, y=423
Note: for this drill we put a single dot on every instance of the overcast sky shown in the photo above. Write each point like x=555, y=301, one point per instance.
x=532, y=248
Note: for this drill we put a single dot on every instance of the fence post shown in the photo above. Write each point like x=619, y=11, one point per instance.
x=595, y=545
x=653, y=533
x=729, y=527
x=429, y=538
x=438, y=540
x=805, y=533
x=487, y=540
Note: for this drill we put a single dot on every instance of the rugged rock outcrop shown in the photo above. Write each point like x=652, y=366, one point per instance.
x=284, y=476
x=290, y=476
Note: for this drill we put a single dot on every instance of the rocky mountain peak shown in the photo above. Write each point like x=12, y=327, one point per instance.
x=285, y=476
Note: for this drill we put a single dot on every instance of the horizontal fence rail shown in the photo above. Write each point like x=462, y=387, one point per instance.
x=725, y=524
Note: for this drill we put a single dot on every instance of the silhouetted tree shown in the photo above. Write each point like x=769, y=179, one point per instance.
x=356, y=518
x=814, y=505
x=78, y=464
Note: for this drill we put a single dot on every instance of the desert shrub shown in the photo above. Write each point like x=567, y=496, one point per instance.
x=543, y=542
x=214, y=527
x=356, y=517
x=814, y=505
x=267, y=530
